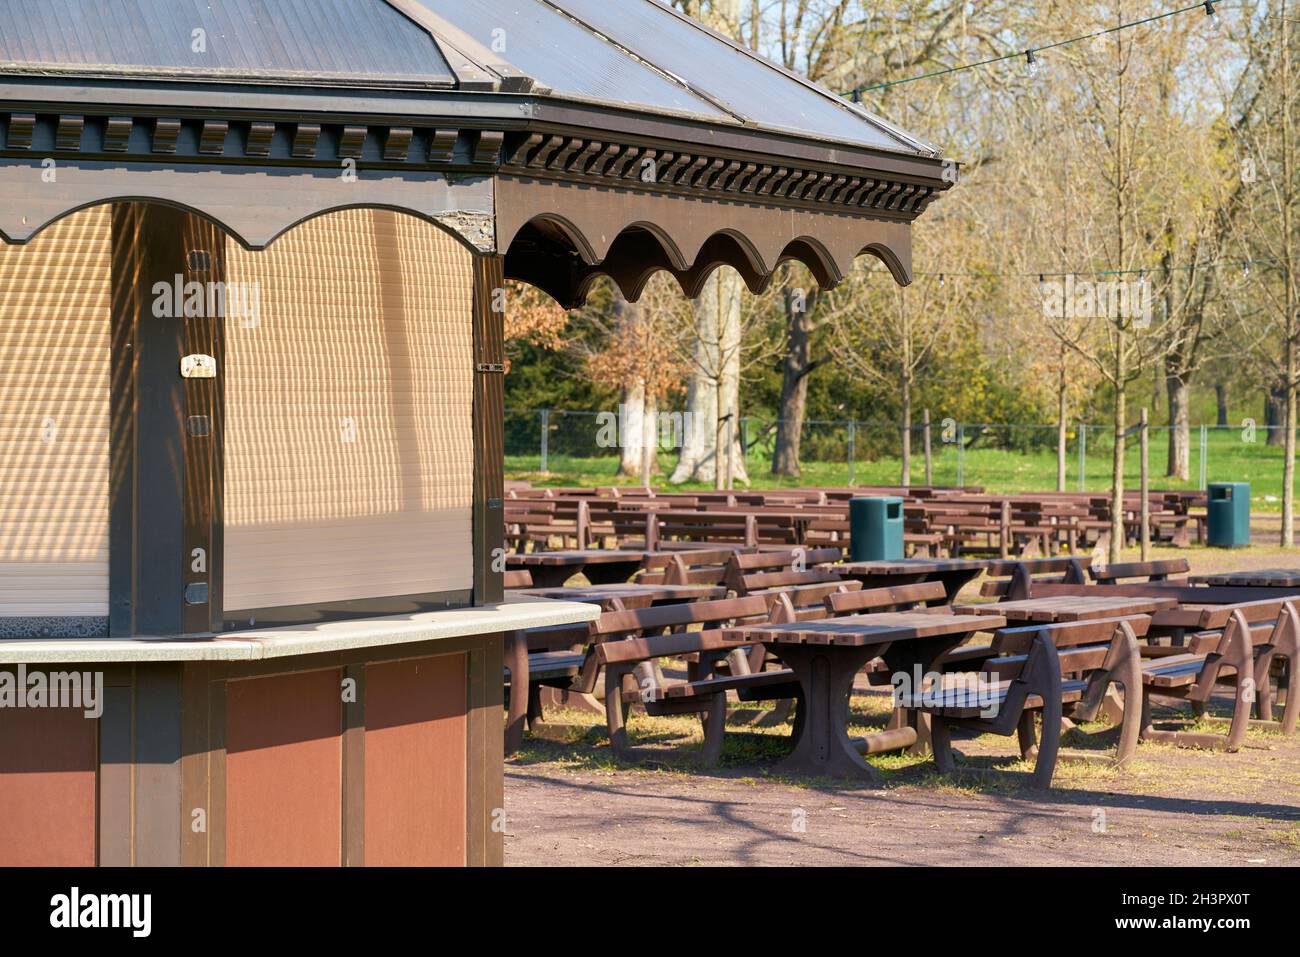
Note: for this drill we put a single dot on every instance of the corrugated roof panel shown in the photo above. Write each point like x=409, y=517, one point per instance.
x=755, y=89
x=345, y=41
x=564, y=56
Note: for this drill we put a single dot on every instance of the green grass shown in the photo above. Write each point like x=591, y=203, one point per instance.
x=1229, y=459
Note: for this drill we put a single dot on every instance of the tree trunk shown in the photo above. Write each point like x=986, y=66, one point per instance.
x=698, y=460
x=732, y=462
x=794, y=387
x=1179, y=462
x=1275, y=414
x=1288, y=466
x=631, y=428
x=650, y=442
x=1062, y=409
x=907, y=432
x=631, y=410
x=1221, y=399
x=1117, y=457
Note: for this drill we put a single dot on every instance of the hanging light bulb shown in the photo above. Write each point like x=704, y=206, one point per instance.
x=1031, y=62
x=1215, y=20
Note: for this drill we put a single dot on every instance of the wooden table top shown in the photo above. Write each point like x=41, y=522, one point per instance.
x=875, y=629
x=1071, y=607
x=591, y=556
x=1274, y=577
x=607, y=592
x=908, y=566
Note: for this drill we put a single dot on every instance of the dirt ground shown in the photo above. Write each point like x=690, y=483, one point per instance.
x=567, y=803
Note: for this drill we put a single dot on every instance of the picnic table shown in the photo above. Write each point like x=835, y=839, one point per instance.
x=629, y=594
x=826, y=656
x=601, y=566
x=1060, y=608
x=1260, y=577
x=953, y=573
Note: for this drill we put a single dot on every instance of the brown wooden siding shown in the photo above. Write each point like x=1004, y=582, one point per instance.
x=48, y=759
x=415, y=754
x=284, y=771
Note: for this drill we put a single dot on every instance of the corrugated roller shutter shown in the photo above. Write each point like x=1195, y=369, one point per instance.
x=55, y=382
x=348, y=397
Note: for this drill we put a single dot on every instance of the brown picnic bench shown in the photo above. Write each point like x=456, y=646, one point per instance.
x=1259, y=577
x=825, y=657
x=1237, y=637
x=1030, y=671
x=601, y=566
x=953, y=573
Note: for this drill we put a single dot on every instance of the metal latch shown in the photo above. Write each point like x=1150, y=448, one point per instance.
x=198, y=366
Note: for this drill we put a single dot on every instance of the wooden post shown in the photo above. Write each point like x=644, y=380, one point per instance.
x=929, y=460
x=1004, y=529
x=1145, y=511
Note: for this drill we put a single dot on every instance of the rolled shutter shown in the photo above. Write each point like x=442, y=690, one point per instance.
x=55, y=381
x=348, y=464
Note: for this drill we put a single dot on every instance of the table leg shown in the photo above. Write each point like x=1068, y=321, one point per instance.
x=550, y=576
x=954, y=582
x=516, y=659
x=825, y=674
x=611, y=573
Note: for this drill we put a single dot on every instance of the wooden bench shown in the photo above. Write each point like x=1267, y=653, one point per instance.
x=1035, y=670
x=696, y=566
x=752, y=572
x=1014, y=580
x=629, y=647
x=517, y=578
x=1145, y=571
x=1239, y=646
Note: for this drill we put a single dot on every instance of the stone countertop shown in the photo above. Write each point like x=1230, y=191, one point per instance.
x=514, y=613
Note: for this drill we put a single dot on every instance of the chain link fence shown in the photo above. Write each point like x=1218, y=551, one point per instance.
x=996, y=456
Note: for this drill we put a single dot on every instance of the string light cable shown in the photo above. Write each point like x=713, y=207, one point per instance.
x=1030, y=55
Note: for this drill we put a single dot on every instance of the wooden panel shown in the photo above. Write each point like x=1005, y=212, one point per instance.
x=47, y=787
x=284, y=774
x=54, y=419
x=349, y=445
x=415, y=762
x=489, y=427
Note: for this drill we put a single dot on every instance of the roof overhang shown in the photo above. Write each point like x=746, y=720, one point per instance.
x=564, y=190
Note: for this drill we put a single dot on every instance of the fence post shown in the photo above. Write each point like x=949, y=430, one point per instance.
x=853, y=436
x=1205, y=452
x=929, y=461
x=961, y=455
x=1144, y=511
x=546, y=434
x=1083, y=456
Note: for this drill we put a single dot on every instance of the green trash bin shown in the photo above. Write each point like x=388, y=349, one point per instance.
x=876, y=528
x=1228, y=514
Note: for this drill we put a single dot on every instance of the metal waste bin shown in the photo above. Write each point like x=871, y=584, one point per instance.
x=876, y=528
x=1228, y=514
